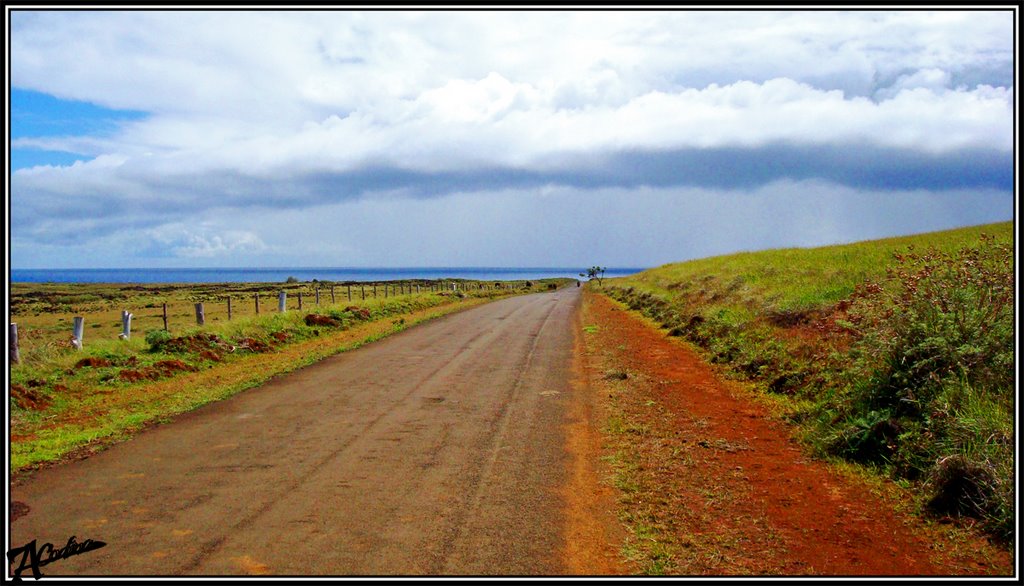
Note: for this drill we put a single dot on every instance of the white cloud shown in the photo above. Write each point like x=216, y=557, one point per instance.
x=203, y=241
x=493, y=122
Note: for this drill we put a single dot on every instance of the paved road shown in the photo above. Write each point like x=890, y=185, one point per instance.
x=437, y=451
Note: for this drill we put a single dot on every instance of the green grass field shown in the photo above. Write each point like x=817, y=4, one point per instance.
x=897, y=354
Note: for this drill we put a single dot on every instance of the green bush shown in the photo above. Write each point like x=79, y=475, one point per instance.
x=931, y=386
x=157, y=338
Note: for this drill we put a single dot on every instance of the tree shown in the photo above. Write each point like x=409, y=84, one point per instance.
x=594, y=272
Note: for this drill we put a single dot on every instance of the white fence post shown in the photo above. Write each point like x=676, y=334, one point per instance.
x=281, y=301
x=12, y=344
x=126, y=325
x=79, y=332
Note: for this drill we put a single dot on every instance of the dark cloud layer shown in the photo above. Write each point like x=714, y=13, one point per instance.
x=721, y=168
x=174, y=197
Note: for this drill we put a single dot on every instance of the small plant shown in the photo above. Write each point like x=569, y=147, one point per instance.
x=157, y=338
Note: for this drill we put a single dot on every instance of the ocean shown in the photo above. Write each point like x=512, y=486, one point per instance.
x=280, y=275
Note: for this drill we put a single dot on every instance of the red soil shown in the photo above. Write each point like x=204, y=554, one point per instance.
x=92, y=362
x=211, y=356
x=315, y=319
x=161, y=369
x=29, y=398
x=253, y=345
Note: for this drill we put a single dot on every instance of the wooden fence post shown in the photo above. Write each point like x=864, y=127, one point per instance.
x=332, y=295
x=300, y=300
x=126, y=325
x=281, y=301
x=79, y=332
x=375, y=290
x=165, y=317
x=200, y=314
x=349, y=288
x=12, y=344
x=229, y=309
x=362, y=291
x=256, y=296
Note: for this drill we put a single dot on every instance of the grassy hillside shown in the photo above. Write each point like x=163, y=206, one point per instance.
x=895, y=353
x=800, y=279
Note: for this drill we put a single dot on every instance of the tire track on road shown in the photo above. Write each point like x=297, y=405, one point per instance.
x=497, y=438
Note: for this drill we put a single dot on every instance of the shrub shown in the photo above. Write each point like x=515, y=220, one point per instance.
x=939, y=316
x=930, y=388
x=157, y=338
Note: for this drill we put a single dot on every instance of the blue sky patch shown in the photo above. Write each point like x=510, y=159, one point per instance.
x=24, y=158
x=39, y=115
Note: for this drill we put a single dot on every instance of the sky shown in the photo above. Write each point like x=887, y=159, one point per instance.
x=498, y=137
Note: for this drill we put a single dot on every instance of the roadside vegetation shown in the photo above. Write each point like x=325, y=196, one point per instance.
x=65, y=401
x=893, y=354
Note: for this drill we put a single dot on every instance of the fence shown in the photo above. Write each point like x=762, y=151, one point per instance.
x=181, y=314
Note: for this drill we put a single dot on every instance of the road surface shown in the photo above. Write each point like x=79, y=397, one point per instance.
x=437, y=451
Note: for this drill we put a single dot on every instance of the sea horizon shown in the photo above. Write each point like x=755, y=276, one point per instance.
x=144, y=275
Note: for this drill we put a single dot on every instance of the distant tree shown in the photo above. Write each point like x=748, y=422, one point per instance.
x=594, y=272
x=291, y=280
